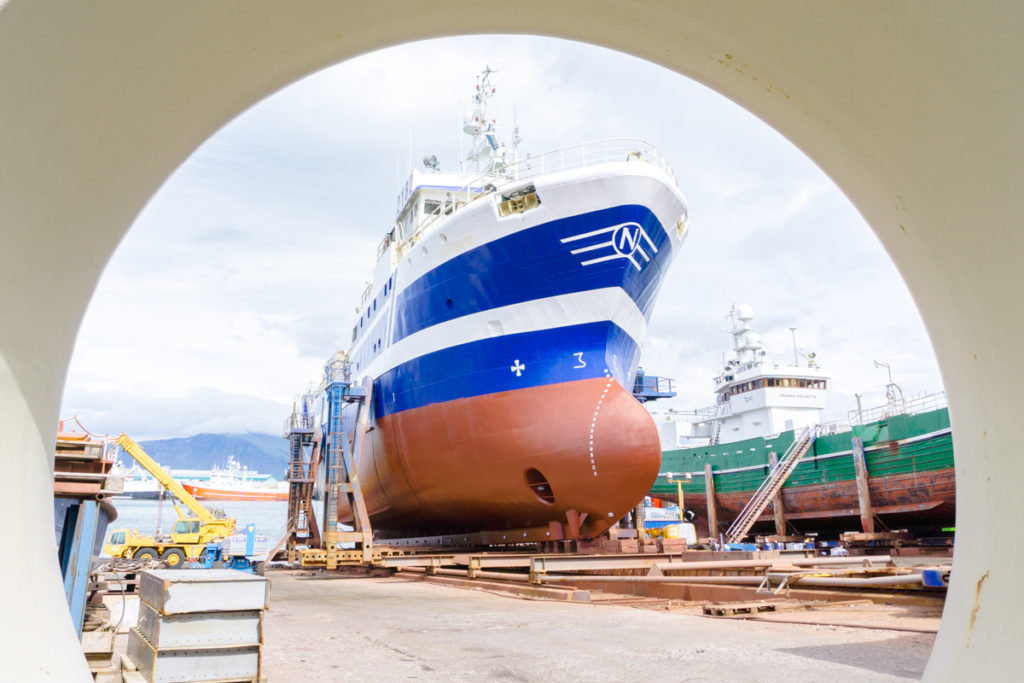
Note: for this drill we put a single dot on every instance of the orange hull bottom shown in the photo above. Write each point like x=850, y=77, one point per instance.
x=543, y=463
x=205, y=493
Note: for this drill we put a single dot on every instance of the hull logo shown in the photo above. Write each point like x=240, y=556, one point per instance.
x=518, y=368
x=623, y=241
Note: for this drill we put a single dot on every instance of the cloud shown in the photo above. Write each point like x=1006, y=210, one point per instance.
x=240, y=276
x=224, y=233
x=200, y=410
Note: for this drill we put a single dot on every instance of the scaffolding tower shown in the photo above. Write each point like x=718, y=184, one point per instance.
x=334, y=448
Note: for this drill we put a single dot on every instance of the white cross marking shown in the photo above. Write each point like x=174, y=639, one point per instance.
x=518, y=368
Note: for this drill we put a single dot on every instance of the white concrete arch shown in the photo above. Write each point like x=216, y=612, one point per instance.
x=912, y=108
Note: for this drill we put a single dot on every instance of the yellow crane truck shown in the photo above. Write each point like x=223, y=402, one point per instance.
x=189, y=535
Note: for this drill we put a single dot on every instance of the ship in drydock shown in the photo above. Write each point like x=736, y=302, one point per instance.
x=501, y=334
x=890, y=465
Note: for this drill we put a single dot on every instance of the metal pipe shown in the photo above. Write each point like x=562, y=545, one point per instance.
x=444, y=571
x=853, y=582
x=716, y=564
x=833, y=581
x=772, y=562
x=504, y=576
x=745, y=580
x=803, y=561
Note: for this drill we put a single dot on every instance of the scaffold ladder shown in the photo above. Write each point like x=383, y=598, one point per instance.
x=343, y=449
x=770, y=486
x=302, y=529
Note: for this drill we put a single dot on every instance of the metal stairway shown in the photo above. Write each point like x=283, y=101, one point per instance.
x=716, y=434
x=771, y=485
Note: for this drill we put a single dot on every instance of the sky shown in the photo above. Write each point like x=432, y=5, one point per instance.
x=241, y=276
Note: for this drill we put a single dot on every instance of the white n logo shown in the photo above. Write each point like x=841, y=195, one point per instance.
x=627, y=241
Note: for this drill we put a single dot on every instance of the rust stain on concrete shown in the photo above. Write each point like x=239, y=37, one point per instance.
x=977, y=606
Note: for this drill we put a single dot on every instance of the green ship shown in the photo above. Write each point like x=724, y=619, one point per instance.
x=763, y=408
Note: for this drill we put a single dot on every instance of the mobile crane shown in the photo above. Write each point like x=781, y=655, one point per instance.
x=189, y=537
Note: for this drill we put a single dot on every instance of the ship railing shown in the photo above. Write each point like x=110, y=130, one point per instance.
x=652, y=386
x=296, y=423
x=908, y=406
x=584, y=155
x=338, y=371
x=570, y=158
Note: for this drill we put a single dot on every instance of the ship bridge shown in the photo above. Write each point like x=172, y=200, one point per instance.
x=913, y=109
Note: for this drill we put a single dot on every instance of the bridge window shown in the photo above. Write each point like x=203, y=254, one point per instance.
x=431, y=206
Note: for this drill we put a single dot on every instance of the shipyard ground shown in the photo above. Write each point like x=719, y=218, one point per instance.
x=331, y=628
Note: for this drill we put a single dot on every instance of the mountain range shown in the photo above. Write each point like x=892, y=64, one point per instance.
x=264, y=453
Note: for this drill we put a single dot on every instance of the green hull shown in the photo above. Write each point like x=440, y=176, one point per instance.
x=909, y=461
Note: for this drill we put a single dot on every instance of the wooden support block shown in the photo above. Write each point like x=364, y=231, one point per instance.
x=107, y=675
x=737, y=609
x=777, y=510
x=709, y=491
x=98, y=642
x=867, y=517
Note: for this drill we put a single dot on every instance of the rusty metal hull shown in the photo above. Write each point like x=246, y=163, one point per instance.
x=471, y=464
x=926, y=499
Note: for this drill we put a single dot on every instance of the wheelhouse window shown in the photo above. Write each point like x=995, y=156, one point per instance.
x=431, y=206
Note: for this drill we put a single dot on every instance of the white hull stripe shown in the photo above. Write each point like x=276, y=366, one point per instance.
x=578, y=308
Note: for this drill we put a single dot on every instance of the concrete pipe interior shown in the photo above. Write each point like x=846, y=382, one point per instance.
x=912, y=109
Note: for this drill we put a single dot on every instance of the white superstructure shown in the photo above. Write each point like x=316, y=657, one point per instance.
x=756, y=396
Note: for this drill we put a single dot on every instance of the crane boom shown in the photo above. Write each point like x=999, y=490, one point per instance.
x=166, y=480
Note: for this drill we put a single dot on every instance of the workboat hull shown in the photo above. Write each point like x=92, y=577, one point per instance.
x=502, y=351
x=911, y=480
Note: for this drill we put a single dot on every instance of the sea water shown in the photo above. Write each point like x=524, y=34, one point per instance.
x=269, y=516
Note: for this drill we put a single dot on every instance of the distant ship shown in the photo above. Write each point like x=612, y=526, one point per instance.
x=232, y=482
x=763, y=405
x=502, y=332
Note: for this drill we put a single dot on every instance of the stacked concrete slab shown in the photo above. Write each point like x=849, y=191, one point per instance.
x=199, y=625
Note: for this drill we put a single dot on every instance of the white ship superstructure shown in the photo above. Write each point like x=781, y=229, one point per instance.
x=756, y=396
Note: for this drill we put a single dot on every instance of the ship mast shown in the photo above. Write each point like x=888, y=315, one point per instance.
x=487, y=155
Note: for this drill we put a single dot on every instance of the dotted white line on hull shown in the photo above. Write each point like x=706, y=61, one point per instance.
x=593, y=423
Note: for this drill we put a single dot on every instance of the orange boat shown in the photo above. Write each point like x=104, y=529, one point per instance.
x=212, y=493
